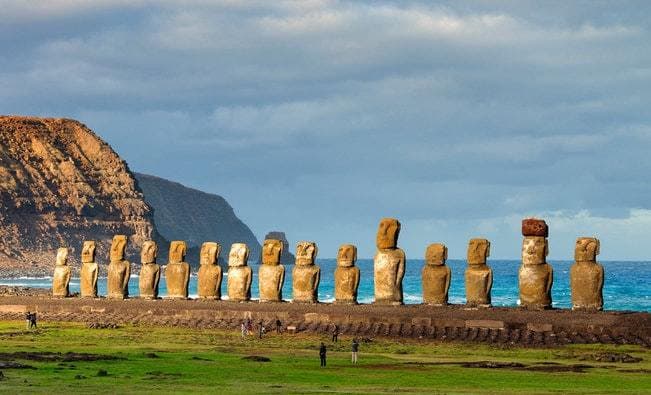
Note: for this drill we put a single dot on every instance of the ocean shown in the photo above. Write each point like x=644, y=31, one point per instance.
x=627, y=284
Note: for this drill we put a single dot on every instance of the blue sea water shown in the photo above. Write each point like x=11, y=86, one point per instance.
x=627, y=284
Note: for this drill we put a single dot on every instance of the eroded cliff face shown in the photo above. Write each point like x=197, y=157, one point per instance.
x=60, y=184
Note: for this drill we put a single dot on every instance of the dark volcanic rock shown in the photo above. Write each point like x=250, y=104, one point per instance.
x=59, y=185
x=182, y=213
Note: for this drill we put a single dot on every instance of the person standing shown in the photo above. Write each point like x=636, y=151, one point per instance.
x=28, y=319
x=354, y=349
x=335, y=334
x=260, y=329
x=279, y=325
x=243, y=329
x=322, y=354
x=32, y=323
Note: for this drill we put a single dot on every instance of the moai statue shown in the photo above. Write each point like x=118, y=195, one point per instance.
x=61, y=277
x=535, y=275
x=89, y=271
x=388, y=264
x=209, y=284
x=149, y=270
x=479, y=276
x=587, y=276
x=346, y=275
x=177, y=272
x=436, y=275
x=271, y=274
x=239, y=274
x=119, y=269
x=306, y=275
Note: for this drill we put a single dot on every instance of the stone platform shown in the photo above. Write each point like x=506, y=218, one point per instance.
x=452, y=323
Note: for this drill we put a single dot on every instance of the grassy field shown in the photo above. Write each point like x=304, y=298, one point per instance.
x=172, y=360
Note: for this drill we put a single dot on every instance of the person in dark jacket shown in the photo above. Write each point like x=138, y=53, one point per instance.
x=335, y=334
x=354, y=349
x=28, y=319
x=322, y=354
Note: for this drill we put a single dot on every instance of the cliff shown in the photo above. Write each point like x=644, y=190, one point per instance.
x=60, y=184
x=183, y=213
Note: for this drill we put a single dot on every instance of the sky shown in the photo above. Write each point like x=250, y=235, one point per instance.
x=318, y=118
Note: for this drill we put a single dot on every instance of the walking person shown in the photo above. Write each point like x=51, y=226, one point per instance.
x=32, y=322
x=279, y=326
x=354, y=349
x=335, y=334
x=322, y=354
x=249, y=326
x=28, y=319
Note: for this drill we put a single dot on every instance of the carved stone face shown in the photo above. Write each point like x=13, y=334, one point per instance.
x=62, y=257
x=387, y=233
x=149, y=252
x=534, y=250
x=347, y=255
x=239, y=255
x=177, y=251
x=118, y=246
x=306, y=253
x=587, y=249
x=436, y=254
x=271, y=251
x=478, y=251
x=88, y=252
x=209, y=253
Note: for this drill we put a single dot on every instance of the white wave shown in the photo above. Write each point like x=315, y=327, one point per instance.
x=35, y=285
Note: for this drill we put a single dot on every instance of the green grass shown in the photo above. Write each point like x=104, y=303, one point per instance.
x=210, y=361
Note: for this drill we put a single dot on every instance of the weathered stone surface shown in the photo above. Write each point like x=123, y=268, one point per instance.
x=239, y=274
x=209, y=282
x=478, y=276
x=587, y=276
x=89, y=270
x=388, y=264
x=177, y=271
x=534, y=227
x=60, y=184
x=271, y=275
x=149, y=271
x=306, y=275
x=119, y=269
x=436, y=275
x=286, y=255
x=61, y=276
x=347, y=275
x=535, y=275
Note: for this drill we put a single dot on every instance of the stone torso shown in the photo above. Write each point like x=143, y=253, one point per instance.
x=305, y=281
x=346, y=284
x=586, y=282
x=535, y=285
x=148, y=281
x=239, y=283
x=88, y=279
x=478, y=285
x=388, y=268
x=61, y=281
x=209, y=283
x=177, y=278
x=436, y=282
x=271, y=278
x=118, y=279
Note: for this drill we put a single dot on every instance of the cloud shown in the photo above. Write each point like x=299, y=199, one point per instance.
x=320, y=117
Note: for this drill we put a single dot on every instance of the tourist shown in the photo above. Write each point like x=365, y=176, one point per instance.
x=322, y=354
x=260, y=329
x=249, y=326
x=279, y=326
x=354, y=349
x=243, y=329
x=335, y=334
x=28, y=319
x=32, y=321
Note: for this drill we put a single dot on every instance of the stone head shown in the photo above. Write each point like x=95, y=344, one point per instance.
x=478, y=251
x=118, y=247
x=62, y=256
x=88, y=252
x=436, y=254
x=387, y=233
x=271, y=251
x=534, y=250
x=209, y=253
x=177, y=251
x=586, y=249
x=239, y=255
x=347, y=255
x=306, y=253
x=149, y=252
